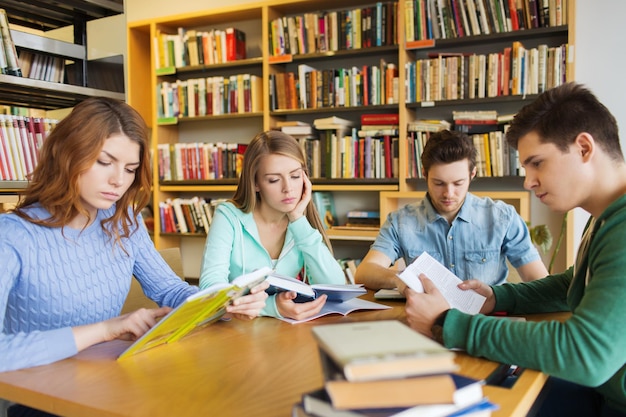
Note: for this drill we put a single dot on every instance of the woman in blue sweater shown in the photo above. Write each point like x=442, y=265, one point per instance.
x=72, y=244
x=271, y=222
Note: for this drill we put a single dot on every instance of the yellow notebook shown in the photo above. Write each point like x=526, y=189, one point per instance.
x=200, y=309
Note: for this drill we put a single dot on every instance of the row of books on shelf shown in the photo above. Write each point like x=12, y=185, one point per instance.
x=310, y=88
x=342, y=154
x=433, y=19
x=42, y=67
x=190, y=47
x=328, y=156
x=370, y=123
x=335, y=149
x=235, y=94
x=199, y=161
x=22, y=111
x=495, y=158
x=20, y=140
x=325, y=31
x=384, y=368
x=27, y=64
x=514, y=71
x=187, y=215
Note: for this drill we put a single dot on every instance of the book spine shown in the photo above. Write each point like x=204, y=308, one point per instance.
x=12, y=63
x=380, y=119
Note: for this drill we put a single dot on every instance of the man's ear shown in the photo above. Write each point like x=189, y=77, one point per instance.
x=473, y=173
x=585, y=145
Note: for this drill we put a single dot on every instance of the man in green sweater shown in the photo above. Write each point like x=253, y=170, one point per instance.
x=568, y=142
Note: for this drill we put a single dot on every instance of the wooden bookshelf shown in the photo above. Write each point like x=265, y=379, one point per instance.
x=255, y=19
x=45, y=95
x=47, y=15
x=391, y=201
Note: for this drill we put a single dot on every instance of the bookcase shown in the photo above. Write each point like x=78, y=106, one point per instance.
x=44, y=16
x=45, y=95
x=262, y=60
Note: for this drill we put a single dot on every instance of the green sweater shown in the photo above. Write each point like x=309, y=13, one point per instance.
x=590, y=347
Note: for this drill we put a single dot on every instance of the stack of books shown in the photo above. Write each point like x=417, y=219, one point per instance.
x=363, y=218
x=384, y=368
x=376, y=125
x=295, y=128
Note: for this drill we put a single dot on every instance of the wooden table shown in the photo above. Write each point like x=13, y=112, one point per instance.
x=237, y=368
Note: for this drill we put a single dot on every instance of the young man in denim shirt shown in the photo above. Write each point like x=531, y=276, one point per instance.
x=473, y=237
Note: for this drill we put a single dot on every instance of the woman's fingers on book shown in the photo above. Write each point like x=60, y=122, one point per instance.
x=260, y=288
x=299, y=311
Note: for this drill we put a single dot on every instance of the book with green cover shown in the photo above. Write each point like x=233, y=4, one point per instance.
x=325, y=205
x=200, y=309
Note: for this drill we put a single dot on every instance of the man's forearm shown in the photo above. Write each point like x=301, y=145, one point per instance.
x=375, y=277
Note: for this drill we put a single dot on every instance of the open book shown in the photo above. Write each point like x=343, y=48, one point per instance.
x=306, y=292
x=342, y=298
x=200, y=309
x=340, y=307
x=446, y=282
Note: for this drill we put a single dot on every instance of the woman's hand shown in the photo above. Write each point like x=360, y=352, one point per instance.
x=482, y=289
x=133, y=325
x=305, y=199
x=129, y=326
x=298, y=311
x=249, y=306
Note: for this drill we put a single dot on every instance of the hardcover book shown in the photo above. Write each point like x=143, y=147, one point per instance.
x=405, y=392
x=317, y=403
x=384, y=349
x=200, y=309
x=325, y=205
x=380, y=119
x=306, y=292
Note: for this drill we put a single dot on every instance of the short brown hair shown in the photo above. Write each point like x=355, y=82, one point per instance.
x=562, y=113
x=447, y=146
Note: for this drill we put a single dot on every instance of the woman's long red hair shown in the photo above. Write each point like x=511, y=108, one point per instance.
x=71, y=149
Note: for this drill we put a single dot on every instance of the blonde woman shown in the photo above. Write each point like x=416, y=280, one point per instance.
x=271, y=221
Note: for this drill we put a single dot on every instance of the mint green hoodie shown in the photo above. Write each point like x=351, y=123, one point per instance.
x=590, y=347
x=233, y=247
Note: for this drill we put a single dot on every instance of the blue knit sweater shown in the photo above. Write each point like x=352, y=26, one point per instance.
x=52, y=279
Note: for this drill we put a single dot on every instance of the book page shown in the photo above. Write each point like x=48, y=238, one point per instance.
x=344, y=308
x=446, y=282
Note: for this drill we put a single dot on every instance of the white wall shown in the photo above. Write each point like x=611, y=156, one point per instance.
x=600, y=63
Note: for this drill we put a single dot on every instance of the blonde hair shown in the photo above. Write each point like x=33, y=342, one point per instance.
x=271, y=143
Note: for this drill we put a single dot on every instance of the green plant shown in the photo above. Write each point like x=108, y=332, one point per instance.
x=541, y=236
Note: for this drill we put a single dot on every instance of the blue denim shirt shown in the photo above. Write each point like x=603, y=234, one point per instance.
x=475, y=246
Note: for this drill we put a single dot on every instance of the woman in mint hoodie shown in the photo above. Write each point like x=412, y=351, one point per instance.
x=271, y=221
